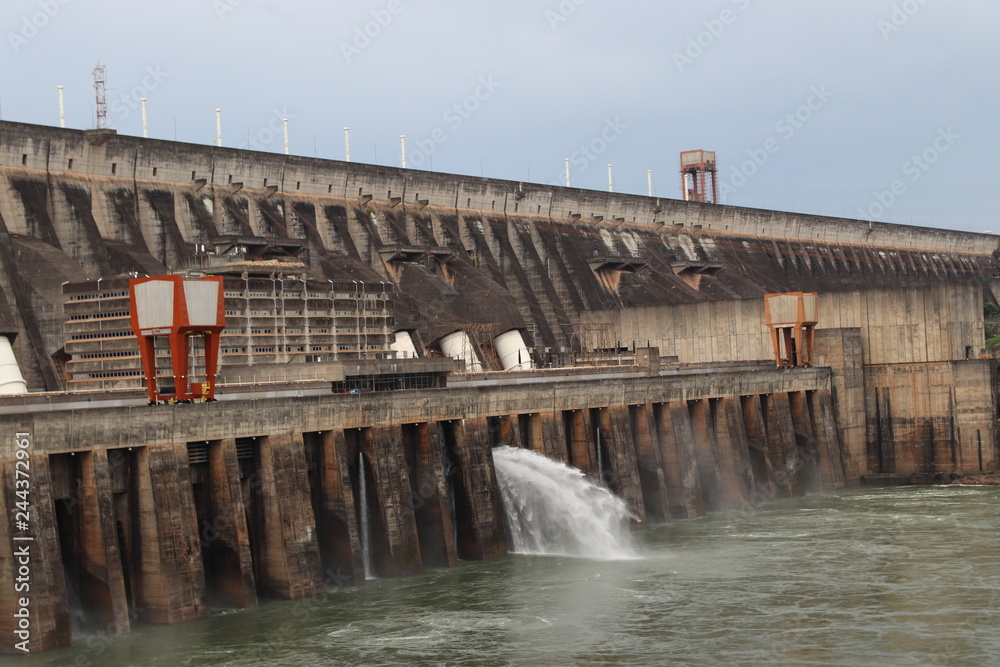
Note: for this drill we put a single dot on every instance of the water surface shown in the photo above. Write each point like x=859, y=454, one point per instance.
x=899, y=576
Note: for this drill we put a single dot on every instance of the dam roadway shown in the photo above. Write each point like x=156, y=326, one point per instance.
x=159, y=513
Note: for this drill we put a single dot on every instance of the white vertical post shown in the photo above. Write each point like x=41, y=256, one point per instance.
x=284, y=123
x=649, y=182
x=402, y=149
x=145, y=125
x=347, y=144
x=611, y=182
x=62, y=109
x=218, y=127
x=567, y=173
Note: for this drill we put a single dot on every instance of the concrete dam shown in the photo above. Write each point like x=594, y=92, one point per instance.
x=641, y=355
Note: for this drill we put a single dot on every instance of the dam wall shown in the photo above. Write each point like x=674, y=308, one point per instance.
x=912, y=394
x=461, y=252
x=223, y=505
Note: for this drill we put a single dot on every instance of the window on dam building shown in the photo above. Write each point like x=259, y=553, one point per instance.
x=96, y=357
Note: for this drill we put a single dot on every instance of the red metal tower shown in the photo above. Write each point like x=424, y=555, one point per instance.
x=697, y=168
x=179, y=308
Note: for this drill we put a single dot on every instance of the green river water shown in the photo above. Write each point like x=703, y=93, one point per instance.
x=896, y=576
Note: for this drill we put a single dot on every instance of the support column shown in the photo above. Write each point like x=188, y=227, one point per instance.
x=102, y=584
x=842, y=350
x=622, y=470
x=581, y=447
x=706, y=452
x=760, y=459
x=230, y=563
x=45, y=595
x=395, y=544
x=429, y=495
x=781, y=444
x=478, y=512
x=290, y=562
x=507, y=432
x=647, y=450
x=171, y=578
x=805, y=441
x=830, y=462
x=739, y=490
x=336, y=517
x=547, y=435
x=680, y=465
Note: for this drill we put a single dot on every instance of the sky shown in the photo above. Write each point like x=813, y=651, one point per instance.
x=883, y=110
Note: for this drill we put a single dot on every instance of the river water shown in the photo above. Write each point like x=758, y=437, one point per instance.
x=897, y=576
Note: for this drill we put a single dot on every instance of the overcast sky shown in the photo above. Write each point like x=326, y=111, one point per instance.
x=872, y=109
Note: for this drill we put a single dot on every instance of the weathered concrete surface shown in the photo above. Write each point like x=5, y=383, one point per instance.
x=621, y=470
x=98, y=573
x=429, y=494
x=478, y=513
x=229, y=568
x=68, y=430
x=395, y=544
x=841, y=350
x=336, y=517
x=169, y=578
x=680, y=462
x=930, y=418
x=290, y=565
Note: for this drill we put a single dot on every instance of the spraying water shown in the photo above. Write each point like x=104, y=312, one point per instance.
x=553, y=509
x=366, y=529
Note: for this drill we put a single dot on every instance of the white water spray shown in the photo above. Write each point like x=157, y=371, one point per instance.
x=553, y=509
x=366, y=529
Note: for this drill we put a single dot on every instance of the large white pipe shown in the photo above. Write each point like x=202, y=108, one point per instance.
x=347, y=144
x=11, y=380
x=611, y=182
x=62, y=109
x=649, y=182
x=402, y=149
x=218, y=127
x=458, y=346
x=403, y=346
x=284, y=123
x=145, y=125
x=513, y=353
x=567, y=173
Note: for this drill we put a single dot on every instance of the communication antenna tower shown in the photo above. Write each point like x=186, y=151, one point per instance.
x=100, y=79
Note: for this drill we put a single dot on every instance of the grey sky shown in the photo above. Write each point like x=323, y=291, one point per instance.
x=887, y=80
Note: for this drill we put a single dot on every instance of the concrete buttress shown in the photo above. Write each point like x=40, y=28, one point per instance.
x=229, y=571
x=170, y=578
x=478, y=512
x=290, y=563
x=395, y=544
x=680, y=463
